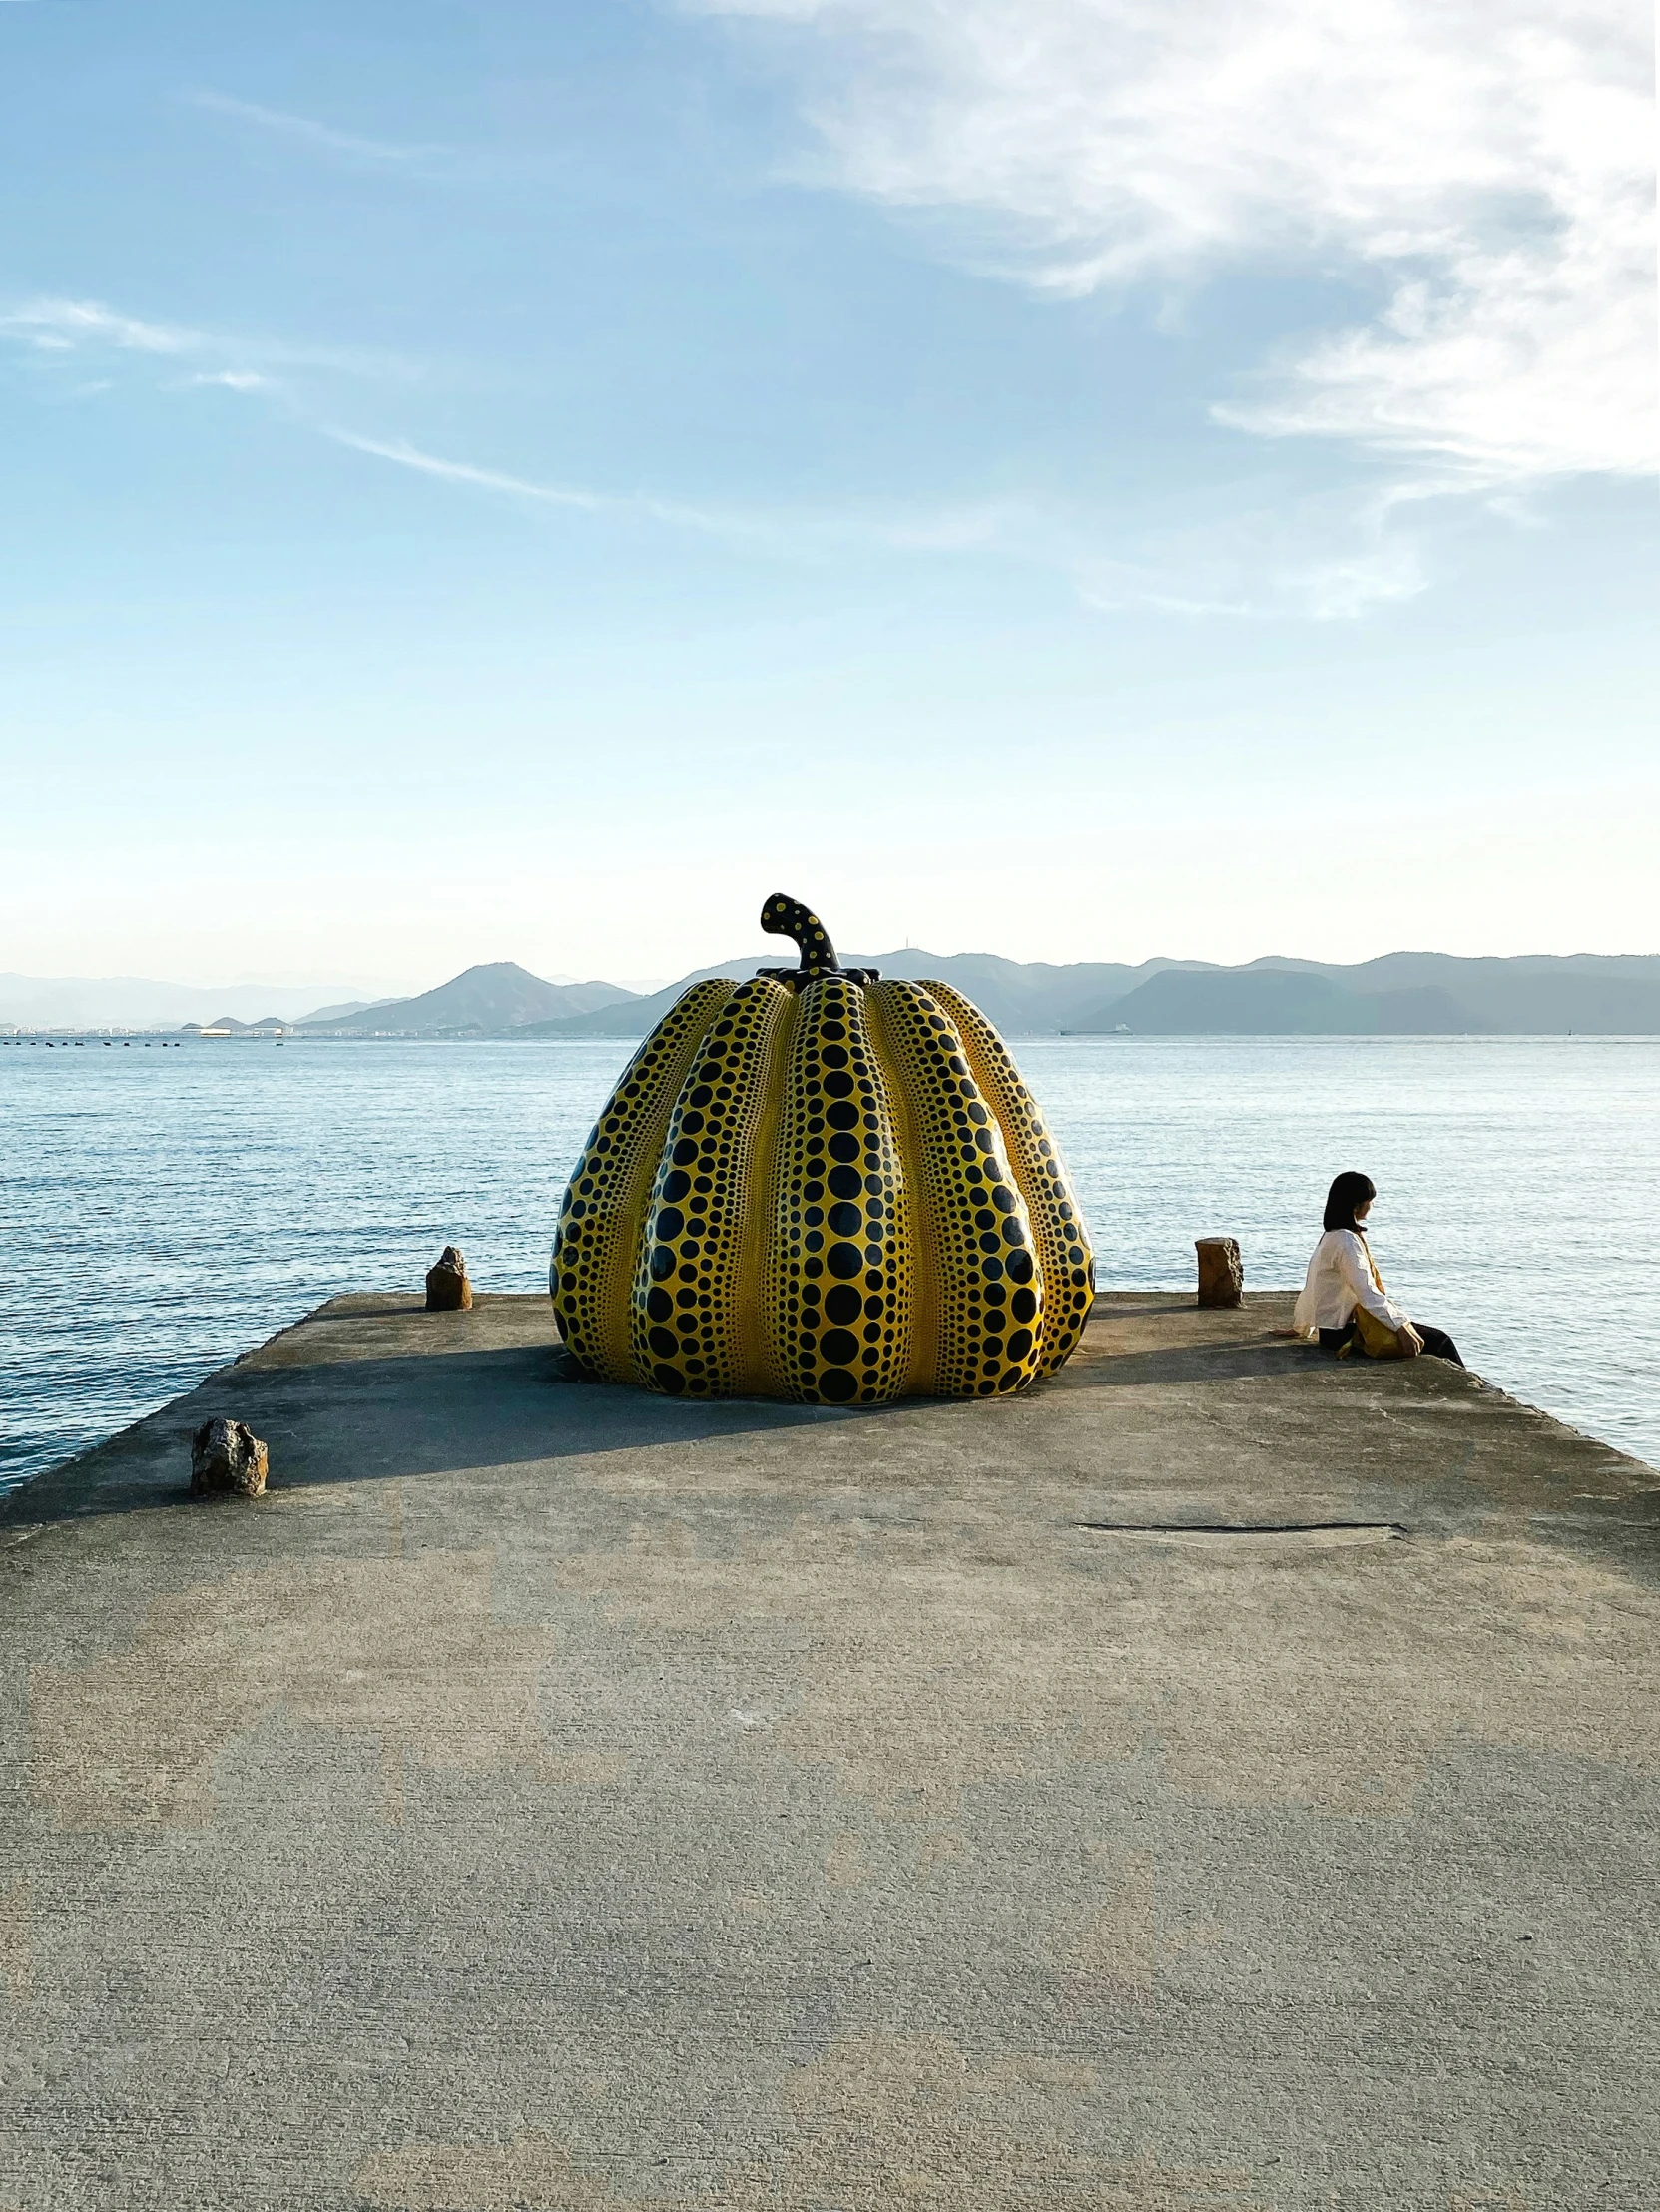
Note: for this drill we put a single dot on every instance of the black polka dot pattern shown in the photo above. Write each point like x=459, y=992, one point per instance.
x=820, y=1186
x=689, y=1312
x=783, y=917
x=985, y=1289
x=594, y=1245
x=837, y=1298
x=1058, y=1228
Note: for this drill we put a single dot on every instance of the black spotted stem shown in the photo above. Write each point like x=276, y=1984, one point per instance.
x=783, y=917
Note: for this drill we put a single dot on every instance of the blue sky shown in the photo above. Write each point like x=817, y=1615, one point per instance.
x=1081, y=479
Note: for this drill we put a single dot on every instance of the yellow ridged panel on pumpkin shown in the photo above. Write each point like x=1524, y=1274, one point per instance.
x=693, y=1329
x=837, y=1298
x=1058, y=1226
x=594, y=1247
x=822, y=1187
x=980, y=1278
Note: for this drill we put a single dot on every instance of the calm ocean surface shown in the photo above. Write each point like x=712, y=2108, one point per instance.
x=165, y=1209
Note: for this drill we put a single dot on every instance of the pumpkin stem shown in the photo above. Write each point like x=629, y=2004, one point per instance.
x=783, y=917
x=787, y=917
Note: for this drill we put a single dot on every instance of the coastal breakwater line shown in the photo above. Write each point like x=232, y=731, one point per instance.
x=1218, y=1778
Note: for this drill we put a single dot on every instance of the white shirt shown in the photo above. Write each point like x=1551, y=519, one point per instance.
x=1339, y=1280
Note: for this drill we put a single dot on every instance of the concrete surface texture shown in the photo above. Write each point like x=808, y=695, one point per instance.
x=1224, y=1780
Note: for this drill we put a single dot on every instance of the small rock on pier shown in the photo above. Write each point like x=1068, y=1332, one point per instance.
x=447, y=1287
x=1220, y=1274
x=227, y=1456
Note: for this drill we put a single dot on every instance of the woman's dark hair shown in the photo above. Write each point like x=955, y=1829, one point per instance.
x=1348, y=1191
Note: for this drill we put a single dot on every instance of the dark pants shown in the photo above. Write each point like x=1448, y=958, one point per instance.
x=1436, y=1342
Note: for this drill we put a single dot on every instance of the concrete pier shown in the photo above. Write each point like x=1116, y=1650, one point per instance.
x=1224, y=1780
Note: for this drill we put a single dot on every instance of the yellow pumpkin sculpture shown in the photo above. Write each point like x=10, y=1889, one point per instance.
x=820, y=1186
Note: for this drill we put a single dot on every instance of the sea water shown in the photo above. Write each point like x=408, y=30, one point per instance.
x=164, y=1209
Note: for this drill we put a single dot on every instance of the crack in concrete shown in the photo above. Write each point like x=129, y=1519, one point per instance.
x=1243, y=1528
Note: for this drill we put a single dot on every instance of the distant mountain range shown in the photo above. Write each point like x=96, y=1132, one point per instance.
x=1401, y=994
x=343, y=1011
x=498, y=1000
x=266, y=1026
x=137, y=1002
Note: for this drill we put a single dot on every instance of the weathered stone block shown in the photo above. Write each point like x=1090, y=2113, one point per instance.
x=447, y=1287
x=1221, y=1274
x=227, y=1456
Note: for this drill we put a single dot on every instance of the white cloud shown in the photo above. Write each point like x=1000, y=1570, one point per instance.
x=1314, y=559
x=799, y=533
x=1317, y=561
x=1488, y=169
x=789, y=533
x=712, y=521
x=320, y=138
x=59, y=325
x=239, y=362
x=463, y=472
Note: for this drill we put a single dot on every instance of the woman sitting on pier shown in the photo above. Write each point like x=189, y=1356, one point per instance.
x=1344, y=1283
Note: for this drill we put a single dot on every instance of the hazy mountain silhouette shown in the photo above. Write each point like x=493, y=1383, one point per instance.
x=1024, y=998
x=346, y=1008
x=135, y=1002
x=482, y=1001
x=1400, y=994
x=1275, y=1003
